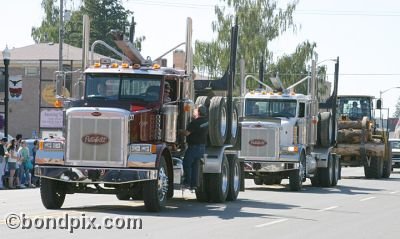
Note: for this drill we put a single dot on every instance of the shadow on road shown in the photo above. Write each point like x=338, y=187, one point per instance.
x=339, y=189
x=190, y=208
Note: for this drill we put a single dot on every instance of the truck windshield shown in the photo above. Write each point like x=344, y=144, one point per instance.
x=270, y=108
x=139, y=88
x=354, y=107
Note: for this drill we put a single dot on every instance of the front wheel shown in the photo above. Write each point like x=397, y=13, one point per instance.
x=297, y=175
x=155, y=191
x=52, y=193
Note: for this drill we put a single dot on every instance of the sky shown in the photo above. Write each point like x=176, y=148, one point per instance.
x=363, y=33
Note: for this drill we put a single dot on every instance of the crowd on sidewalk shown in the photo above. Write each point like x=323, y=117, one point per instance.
x=17, y=163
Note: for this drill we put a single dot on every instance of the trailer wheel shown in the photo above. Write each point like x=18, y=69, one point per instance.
x=326, y=174
x=375, y=168
x=52, y=193
x=155, y=191
x=296, y=176
x=217, y=121
x=234, y=179
x=324, y=129
x=219, y=183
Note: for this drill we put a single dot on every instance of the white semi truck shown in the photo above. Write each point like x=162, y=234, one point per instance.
x=288, y=135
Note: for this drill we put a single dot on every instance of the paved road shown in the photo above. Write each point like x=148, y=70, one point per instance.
x=356, y=208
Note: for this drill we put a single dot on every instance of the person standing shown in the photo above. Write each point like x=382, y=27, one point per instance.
x=12, y=164
x=25, y=165
x=2, y=161
x=196, y=133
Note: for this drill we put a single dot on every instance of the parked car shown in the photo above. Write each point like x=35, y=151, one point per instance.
x=395, y=144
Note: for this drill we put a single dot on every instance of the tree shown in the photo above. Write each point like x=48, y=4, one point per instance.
x=396, y=114
x=293, y=67
x=105, y=15
x=260, y=22
x=48, y=30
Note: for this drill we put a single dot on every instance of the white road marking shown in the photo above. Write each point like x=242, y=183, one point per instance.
x=394, y=192
x=272, y=223
x=366, y=199
x=328, y=208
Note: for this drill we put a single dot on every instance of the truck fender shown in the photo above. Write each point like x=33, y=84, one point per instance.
x=212, y=159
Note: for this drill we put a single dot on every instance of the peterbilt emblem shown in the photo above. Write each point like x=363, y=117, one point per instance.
x=94, y=139
x=257, y=142
x=96, y=113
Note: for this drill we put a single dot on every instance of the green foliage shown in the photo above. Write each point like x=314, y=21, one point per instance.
x=104, y=15
x=260, y=21
x=48, y=31
x=292, y=68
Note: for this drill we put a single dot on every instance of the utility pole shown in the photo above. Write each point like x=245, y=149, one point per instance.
x=61, y=37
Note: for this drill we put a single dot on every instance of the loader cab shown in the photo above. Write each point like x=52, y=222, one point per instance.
x=355, y=107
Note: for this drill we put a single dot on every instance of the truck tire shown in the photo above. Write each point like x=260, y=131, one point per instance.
x=336, y=170
x=52, y=193
x=375, y=168
x=234, y=179
x=203, y=100
x=217, y=121
x=324, y=129
x=123, y=196
x=202, y=192
x=155, y=191
x=387, y=164
x=235, y=126
x=219, y=183
x=258, y=181
x=296, y=176
x=326, y=174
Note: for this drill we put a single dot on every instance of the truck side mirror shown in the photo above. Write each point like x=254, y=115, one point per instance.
x=379, y=104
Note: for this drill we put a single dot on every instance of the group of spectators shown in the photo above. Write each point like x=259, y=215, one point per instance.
x=16, y=163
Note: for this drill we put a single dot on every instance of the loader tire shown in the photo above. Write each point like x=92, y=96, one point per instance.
x=203, y=100
x=374, y=170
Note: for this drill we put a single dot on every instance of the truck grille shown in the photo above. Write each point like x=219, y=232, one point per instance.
x=97, y=137
x=259, y=143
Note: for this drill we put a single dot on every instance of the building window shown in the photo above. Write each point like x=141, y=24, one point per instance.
x=31, y=71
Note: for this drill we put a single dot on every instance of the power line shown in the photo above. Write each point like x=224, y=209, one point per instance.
x=320, y=12
x=347, y=13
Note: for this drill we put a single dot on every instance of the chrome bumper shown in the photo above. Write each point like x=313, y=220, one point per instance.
x=90, y=175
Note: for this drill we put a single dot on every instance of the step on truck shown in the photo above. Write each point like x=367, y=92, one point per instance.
x=289, y=135
x=361, y=138
x=122, y=137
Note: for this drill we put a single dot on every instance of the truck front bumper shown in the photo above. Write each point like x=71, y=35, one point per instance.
x=89, y=175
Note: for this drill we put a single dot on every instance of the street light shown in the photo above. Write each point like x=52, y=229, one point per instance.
x=383, y=91
x=6, y=59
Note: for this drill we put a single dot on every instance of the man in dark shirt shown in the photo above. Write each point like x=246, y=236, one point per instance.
x=196, y=133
